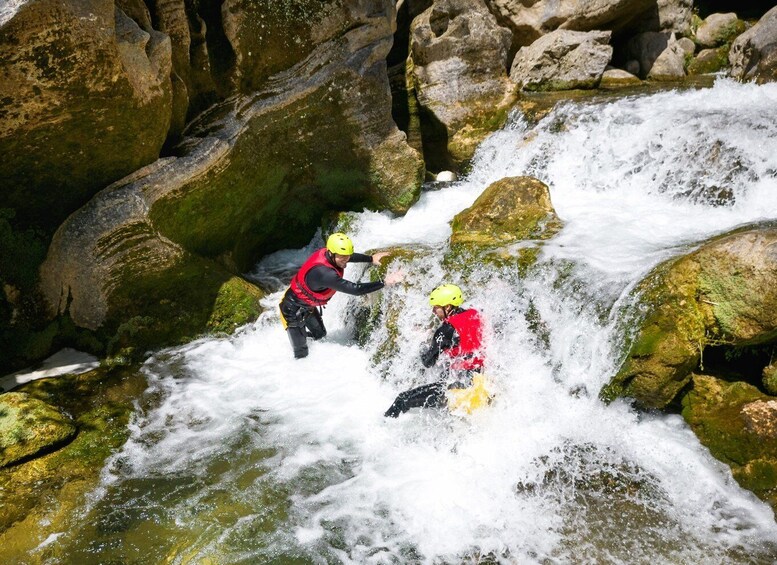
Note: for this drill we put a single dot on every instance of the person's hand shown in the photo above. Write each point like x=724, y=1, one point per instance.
x=394, y=277
x=378, y=257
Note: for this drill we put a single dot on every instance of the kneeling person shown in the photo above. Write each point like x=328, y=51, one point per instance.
x=459, y=338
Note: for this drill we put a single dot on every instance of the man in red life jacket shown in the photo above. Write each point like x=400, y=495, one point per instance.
x=459, y=339
x=314, y=285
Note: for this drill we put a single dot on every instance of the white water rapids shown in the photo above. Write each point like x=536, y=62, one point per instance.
x=240, y=454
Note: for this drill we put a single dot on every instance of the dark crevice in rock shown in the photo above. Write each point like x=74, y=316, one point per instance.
x=401, y=46
x=733, y=364
x=748, y=9
x=434, y=136
x=222, y=57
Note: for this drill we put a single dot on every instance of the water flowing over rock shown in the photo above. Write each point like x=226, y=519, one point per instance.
x=563, y=60
x=753, y=54
x=724, y=293
x=85, y=100
x=459, y=65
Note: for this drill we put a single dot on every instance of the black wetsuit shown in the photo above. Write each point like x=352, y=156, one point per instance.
x=432, y=395
x=304, y=320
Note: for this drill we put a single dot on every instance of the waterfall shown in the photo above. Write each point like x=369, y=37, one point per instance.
x=239, y=453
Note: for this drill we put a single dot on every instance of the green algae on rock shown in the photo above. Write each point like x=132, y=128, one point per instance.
x=29, y=426
x=723, y=293
x=737, y=423
x=509, y=210
x=41, y=494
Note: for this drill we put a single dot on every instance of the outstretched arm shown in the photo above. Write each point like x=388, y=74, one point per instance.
x=319, y=278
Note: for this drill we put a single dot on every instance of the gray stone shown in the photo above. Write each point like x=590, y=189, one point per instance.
x=459, y=66
x=563, y=60
x=753, y=54
x=716, y=29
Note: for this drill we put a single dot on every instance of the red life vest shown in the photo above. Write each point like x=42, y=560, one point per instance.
x=469, y=327
x=301, y=289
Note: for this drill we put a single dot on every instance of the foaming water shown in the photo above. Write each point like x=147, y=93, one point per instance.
x=241, y=454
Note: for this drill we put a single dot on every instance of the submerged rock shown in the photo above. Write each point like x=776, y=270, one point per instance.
x=723, y=293
x=29, y=426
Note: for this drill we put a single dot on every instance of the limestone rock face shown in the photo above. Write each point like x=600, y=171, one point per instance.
x=531, y=20
x=29, y=426
x=252, y=174
x=509, y=210
x=725, y=292
x=85, y=99
x=459, y=57
x=737, y=423
x=753, y=54
x=563, y=60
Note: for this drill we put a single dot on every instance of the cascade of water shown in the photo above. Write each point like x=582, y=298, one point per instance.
x=241, y=453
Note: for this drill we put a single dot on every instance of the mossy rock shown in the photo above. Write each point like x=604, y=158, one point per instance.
x=237, y=303
x=510, y=210
x=770, y=378
x=40, y=495
x=723, y=293
x=709, y=61
x=29, y=426
x=737, y=423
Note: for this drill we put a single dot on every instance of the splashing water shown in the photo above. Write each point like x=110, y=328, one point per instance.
x=241, y=454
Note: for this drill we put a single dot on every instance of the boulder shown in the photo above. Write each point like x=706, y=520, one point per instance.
x=510, y=210
x=670, y=64
x=718, y=29
x=29, y=426
x=85, y=99
x=753, y=54
x=660, y=55
x=613, y=78
x=459, y=68
x=723, y=293
x=709, y=61
x=738, y=424
x=563, y=60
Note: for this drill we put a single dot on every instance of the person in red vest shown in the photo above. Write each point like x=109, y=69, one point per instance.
x=458, y=339
x=314, y=285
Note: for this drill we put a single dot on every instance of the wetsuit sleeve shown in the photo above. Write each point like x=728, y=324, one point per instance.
x=360, y=258
x=442, y=339
x=320, y=277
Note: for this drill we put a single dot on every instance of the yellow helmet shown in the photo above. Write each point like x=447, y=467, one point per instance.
x=446, y=294
x=340, y=243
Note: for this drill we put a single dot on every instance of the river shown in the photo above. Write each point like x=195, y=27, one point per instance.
x=240, y=454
